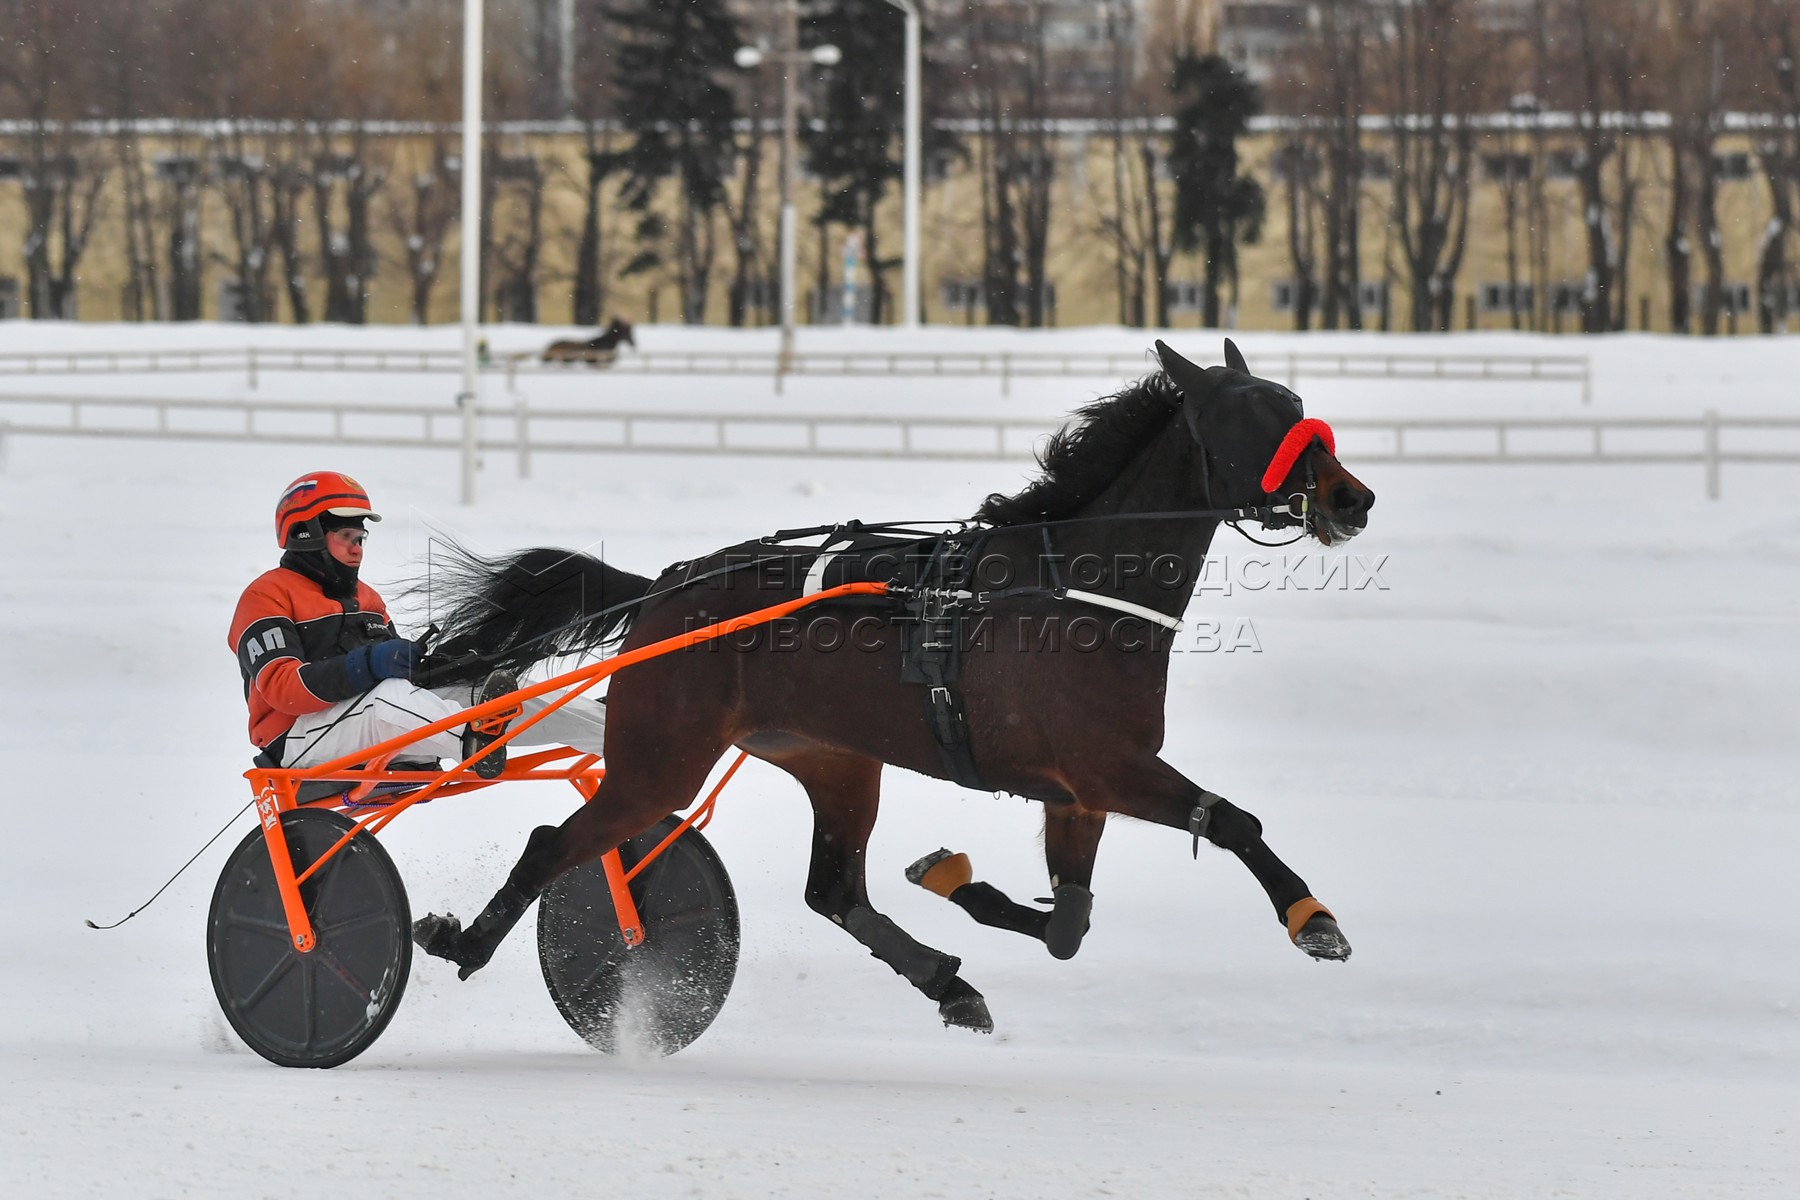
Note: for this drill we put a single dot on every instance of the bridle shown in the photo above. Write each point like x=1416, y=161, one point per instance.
x=1277, y=511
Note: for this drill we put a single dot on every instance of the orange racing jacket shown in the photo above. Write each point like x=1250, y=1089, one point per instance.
x=291, y=638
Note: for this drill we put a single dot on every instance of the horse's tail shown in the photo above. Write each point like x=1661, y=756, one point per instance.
x=517, y=609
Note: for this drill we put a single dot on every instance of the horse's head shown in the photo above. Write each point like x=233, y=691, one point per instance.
x=1257, y=446
x=621, y=328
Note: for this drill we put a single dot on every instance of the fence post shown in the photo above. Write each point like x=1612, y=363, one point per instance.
x=1587, y=381
x=1006, y=373
x=250, y=364
x=522, y=431
x=1712, y=454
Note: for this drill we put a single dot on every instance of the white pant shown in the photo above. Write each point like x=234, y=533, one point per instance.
x=394, y=706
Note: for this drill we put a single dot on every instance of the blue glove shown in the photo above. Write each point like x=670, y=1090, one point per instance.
x=392, y=659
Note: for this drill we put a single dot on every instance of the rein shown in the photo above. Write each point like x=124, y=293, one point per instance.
x=1277, y=512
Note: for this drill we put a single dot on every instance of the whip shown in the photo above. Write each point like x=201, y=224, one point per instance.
x=177, y=875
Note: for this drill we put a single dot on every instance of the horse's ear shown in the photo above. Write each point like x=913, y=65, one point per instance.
x=1234, y=358
x=1186, y=376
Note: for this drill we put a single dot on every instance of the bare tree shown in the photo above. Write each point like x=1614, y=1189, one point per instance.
x=1430, y=59
x=1037, y=183
x=242, y=178
x=1015, y=157
x=996, y=164
x=1515, y=183
x=750, y=259
x=1123, y=224
x=45, y=66
x=1775, y=29
x=421, y=221
x=1687, y=54
x=598, y=162
x=1296, y=164
x=1322, y=161
x=518, y=238
x=182, y=175
x=1600, y=69
x=1345, y=30
x=143, y=295
x=1161, y=240
x=345, y=179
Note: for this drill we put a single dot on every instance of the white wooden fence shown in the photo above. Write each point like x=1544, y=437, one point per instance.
x=1711, y=441
x=1292, y=367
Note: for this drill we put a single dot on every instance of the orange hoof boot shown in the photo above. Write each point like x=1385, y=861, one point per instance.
x=941, y=871
x=1312, y=928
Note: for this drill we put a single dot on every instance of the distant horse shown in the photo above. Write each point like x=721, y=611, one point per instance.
x=596, y=350
x=1122, y=518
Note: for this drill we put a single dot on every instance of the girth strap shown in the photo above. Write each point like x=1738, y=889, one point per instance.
x=933, y=656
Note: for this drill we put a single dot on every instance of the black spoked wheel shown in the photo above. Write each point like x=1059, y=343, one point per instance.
x=665, y=992
x=325, y=1007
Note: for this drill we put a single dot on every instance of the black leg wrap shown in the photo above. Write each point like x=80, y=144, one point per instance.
x=1231, y=828
x=471, y=948
x=537, y=847
x=931, y=971
x=991, y=906
x=1068, y=922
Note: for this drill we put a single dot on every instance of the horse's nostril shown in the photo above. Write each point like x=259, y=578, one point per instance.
x=1348, y=501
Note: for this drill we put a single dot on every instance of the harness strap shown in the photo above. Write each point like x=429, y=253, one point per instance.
x=1124, y=606
x=815, y=575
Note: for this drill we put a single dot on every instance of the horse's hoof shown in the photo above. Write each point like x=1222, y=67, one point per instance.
x=1068, y=922
x=434, y=933
x=441, y=937
x=1321, y=938
x=963, y=1007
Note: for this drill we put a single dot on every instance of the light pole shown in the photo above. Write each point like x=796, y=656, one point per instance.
x=471, y=234
x=789, y=57
x=909, y=183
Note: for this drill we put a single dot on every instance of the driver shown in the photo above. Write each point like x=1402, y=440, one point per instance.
x=325, y=673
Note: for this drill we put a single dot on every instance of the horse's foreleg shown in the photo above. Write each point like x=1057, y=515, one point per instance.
x=845, y=795
x=1157, y=792
x=1071, y=840
x=949, y=874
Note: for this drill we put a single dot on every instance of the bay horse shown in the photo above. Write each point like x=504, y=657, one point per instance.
x=1136, y=489
x=596, y=350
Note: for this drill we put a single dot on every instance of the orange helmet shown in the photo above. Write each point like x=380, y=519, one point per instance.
x=312, y=496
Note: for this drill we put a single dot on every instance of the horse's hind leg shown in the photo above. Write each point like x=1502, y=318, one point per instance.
x=1071, y=840
x=639, y=789
x=1155, y=791
x=845, y=794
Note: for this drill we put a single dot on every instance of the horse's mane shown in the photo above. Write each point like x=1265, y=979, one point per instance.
x=1086, y=455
